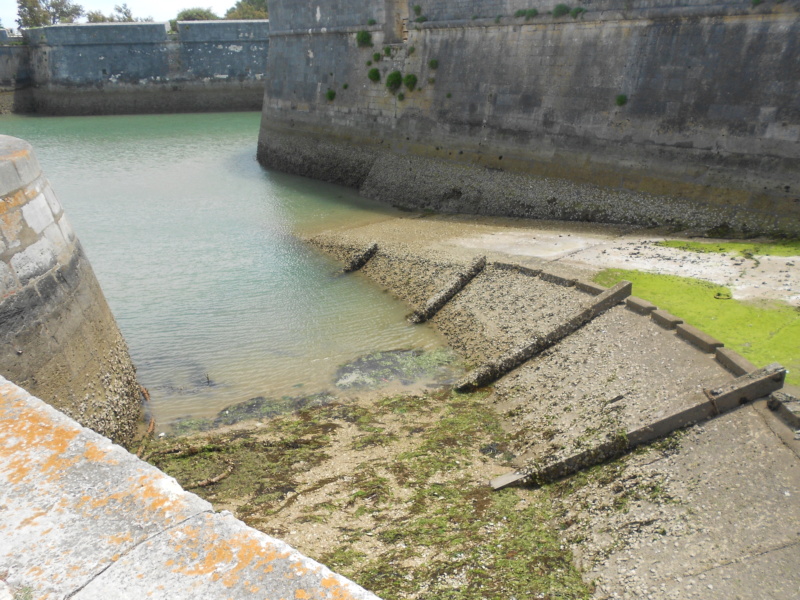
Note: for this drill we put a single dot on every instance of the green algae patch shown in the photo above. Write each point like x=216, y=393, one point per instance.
x=763, y=332
x=391, y=492
x=252, y=409
x=406, y=366
x=746, y=249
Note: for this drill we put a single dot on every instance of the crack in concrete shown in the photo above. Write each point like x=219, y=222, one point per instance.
x=134, y=547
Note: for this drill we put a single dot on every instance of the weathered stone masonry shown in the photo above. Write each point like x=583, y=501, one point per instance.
x=521, y=118
x=115, y=68
x=58, y=338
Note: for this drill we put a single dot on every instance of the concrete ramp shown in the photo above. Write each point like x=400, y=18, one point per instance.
x=82, y=518
x=623, y=380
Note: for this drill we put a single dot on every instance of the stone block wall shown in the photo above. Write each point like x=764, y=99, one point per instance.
x=632, y=113
x=115, y=68
x=57, y=335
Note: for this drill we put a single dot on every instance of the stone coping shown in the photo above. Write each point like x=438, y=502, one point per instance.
x=82, y=518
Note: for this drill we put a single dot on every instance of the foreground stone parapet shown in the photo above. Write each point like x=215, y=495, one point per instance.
x=57, y=335
x=82, y=518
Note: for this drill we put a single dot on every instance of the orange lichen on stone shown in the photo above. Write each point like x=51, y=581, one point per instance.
x=30, y=520
x=120, y=538
x=11, y=224
x=224, y=559
x=299, y=568
x=32, y=430
x=95, y=453
x=14, y=200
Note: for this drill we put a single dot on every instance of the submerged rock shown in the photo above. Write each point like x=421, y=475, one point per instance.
x=406, y=366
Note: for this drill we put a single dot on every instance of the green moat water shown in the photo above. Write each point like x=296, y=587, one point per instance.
x=193, y=244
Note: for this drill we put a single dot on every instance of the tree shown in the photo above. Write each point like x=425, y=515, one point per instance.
x=248, y=9
x=121, y=14
x=39, y=13
x=197, y=14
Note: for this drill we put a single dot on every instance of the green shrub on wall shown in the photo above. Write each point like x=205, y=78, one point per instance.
x=417, y=9
x=410, y=81
x=621, y=100
x=374, y=75
x=528, y=13
x=577, y=12
x=387, y=51
x=394, y=80
x=433, y=63
x=330, y=95
x=401, y=96
x=371, y=22
x=364, y=39
x=560, y=10
x=376, y=57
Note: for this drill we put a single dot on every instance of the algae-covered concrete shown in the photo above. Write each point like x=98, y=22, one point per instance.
x=57, y=334
x=82, y=518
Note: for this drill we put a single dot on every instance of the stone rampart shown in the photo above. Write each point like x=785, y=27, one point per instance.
x=632, y=112
x=57, y=335
x=115, y=68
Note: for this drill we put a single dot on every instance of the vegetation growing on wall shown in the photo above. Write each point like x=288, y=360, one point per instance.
x=364, y=39
x=560, y=10
x=374, y=74
x=527, y=13
x=410, y=81
x=394, y=80
x=330, y=95
x=577, y=12
x=433, y=63
x=621, y=100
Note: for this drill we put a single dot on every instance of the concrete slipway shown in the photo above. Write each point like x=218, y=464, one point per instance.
x=82, y=518
x=583, y=380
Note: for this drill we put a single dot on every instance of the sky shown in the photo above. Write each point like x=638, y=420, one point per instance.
x=160, y=10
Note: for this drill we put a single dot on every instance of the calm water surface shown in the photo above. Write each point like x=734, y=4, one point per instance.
x=193, y=244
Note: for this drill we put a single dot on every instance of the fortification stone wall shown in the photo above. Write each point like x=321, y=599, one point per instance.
x=639, y=112
x=57, y=335
x=114, y=68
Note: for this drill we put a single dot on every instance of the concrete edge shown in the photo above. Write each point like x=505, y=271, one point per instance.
x=436, y=302
x=665, y=319
x=786, y=407
x=361, y=258
x=740, y=391
x=698, y=338
x=733, y=361
x=640, y=306
x=491, y=371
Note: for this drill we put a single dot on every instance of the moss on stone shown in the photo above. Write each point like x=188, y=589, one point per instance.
x=746, y=249
x=763, y=332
